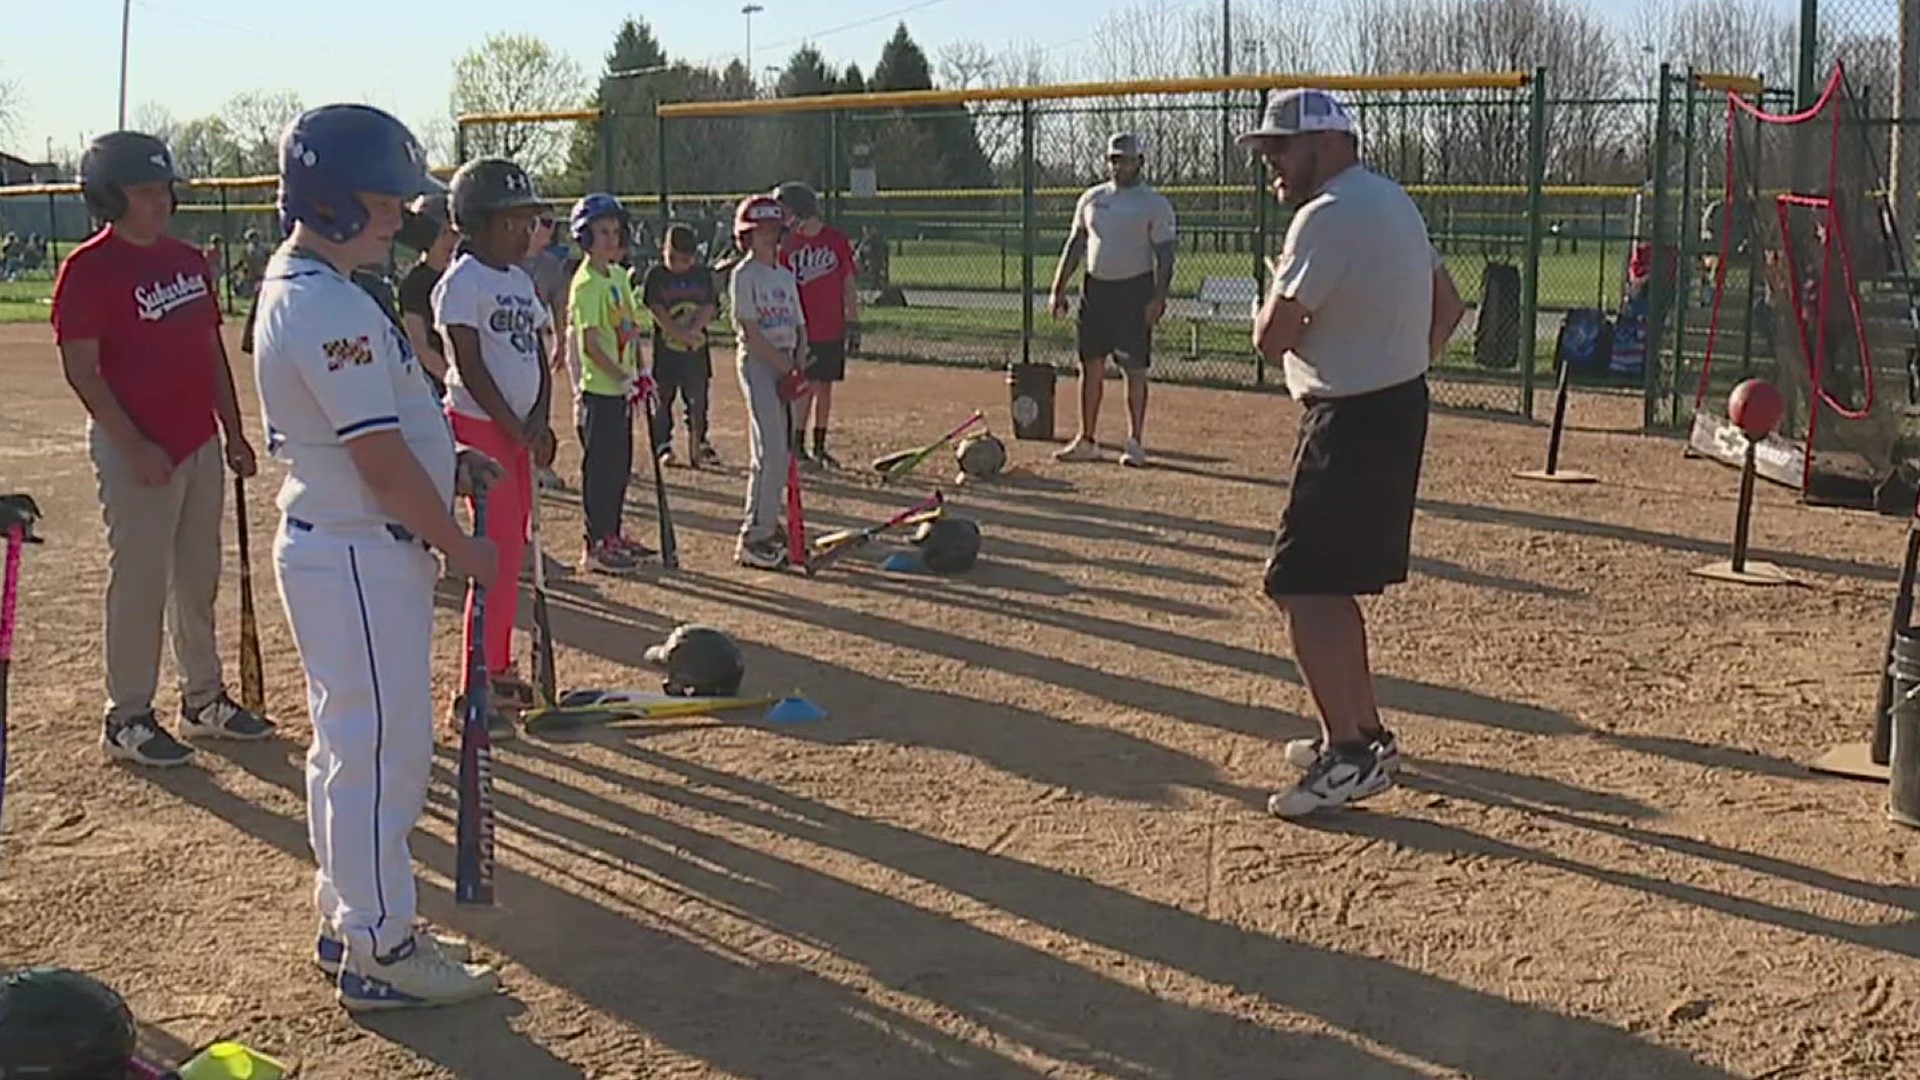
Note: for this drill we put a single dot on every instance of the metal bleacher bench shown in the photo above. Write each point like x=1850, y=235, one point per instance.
x=1222, y=299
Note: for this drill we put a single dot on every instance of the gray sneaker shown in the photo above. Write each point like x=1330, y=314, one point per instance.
x=223, y=718
x=1341, y=776
x=143, y=741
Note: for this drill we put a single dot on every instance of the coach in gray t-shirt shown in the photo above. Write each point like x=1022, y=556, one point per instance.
x=1360, y=304
x=1124, y=229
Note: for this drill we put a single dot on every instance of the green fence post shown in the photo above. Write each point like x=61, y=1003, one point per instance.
x=1600, y=286
x=660, y=158
x=1027, y=231
x=459, y=143
x=832, y=186
x=1530, y=284
x=1684, y=254
x=226, y=237
x=53, y=232
x=604, y=124
x=1262, y=196
x=1656, y=285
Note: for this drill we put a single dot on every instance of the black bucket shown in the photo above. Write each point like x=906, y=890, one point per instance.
x=1903, y=714
x=1032, y=389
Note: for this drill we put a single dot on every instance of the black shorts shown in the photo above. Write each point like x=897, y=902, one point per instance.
x=827, y=360
x=1347, y=529
x=1113, y=321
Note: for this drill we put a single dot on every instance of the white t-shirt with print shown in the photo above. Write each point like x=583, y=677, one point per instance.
x=1357, y=257
x=767, y=295
x=330, y=367
x=503, y=308
x=1123, y=225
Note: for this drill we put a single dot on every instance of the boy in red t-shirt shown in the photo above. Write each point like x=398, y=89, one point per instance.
x=138, y=327
x=821, y=259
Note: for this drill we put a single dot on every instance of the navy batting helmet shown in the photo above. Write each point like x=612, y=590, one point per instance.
x=329, y=155
x=115, y=160
x=57, y=1024
x=797, y=199
x=486, y=186
x=592, y=208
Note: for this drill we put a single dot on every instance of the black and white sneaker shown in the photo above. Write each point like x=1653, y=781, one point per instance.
x=143, y=741
x=224, y=718
x=769, y=554
x=1302, y=753
x=1341, y=775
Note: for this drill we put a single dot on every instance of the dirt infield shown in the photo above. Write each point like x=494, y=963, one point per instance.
x=1029, y=841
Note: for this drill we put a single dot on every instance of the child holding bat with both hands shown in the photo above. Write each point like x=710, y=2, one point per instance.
x=765, y=301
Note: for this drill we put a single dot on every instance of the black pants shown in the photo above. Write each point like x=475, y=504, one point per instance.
x=689, y=375
x=606, y=433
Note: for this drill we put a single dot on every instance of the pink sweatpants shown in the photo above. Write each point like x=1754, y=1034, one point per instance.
x=508, y=504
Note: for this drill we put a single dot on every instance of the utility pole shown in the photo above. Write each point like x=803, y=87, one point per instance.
x=126, y=23
x=749, y=11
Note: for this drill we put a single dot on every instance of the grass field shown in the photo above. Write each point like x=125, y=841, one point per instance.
x=25, y=301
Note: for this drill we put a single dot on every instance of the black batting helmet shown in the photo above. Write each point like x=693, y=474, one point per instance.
x=700, y=662
x=486, y=186
x=115, y=160
x=949, y=544
x=58, y=1024
x=797, y=199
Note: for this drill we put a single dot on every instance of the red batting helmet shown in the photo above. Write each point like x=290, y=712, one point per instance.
x=754, y=211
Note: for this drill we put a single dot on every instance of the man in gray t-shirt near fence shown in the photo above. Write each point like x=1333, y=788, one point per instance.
x=1360, y=304
x=1125, y=231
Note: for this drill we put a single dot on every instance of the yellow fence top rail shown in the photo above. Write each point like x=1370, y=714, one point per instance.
x=1738, y=84
x=578, y=115
x=901, y=99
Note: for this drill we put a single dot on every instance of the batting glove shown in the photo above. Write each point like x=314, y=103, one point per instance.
x=641, y=389
x=853, y=338
x=793, y=385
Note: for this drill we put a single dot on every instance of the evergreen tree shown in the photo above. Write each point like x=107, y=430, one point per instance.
x=923, y=147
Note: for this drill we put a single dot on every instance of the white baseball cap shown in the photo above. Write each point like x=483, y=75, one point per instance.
x=1300, y=112
x=1126, y=144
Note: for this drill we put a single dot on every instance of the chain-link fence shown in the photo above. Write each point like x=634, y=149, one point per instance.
x=959, y=210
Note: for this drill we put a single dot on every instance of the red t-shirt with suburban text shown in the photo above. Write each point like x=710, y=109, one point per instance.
x=821, y=263
x=151, y=309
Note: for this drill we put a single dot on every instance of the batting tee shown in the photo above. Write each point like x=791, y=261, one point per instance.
x=1813, y=288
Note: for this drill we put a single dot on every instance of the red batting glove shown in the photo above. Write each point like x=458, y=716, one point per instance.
x=793, y=385
x=644, y=390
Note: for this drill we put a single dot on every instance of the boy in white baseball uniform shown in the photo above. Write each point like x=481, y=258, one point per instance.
x=372, y=472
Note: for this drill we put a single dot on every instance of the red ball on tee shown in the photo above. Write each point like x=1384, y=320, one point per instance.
x=1756, y=407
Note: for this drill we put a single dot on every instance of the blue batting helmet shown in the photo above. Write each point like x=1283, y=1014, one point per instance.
x=331, y=154
x=591, y=208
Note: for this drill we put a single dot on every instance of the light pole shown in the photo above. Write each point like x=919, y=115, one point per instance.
x=126, y=21
x=749, y=11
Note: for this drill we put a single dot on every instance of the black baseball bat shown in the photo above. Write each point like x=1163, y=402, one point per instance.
x=544, y=679
x=253, y=687
x=473, y=872
x=669, y=540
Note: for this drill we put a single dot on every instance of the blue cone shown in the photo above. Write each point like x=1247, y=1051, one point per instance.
x=794, y=709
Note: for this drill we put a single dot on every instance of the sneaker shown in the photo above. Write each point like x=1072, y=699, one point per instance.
x=499, y=725
x=666, y=458
x=824, y=459
x=411, y=977
x=330, y=949
x=770, y=554
x=635, y=550
x=547, y=478
x=706, y=455
x=223, y=718
x=1080, y=449
x=1302, y=753
x=607, y=558
x=1135, y=455
x=143, y=741
x=1340, y=776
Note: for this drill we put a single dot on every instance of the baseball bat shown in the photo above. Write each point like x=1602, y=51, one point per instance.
x=253, y=687
x=586, y=708
x=473, y=872
x=1882, y=747
x=669, y=540
x=836, y=545
x=901, y=462
x=543, y=674
x=16, y=538
x=796, y=520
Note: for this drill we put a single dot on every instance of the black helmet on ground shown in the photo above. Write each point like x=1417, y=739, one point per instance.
x=700, y=661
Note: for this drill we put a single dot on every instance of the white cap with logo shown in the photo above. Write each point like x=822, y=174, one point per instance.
x=1299, y=112
x=1126, y=144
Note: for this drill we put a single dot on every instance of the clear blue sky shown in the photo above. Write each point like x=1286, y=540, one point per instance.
x=190, y=55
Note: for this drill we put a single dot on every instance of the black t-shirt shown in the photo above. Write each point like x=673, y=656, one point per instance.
x=416, y=298
x=682, y=295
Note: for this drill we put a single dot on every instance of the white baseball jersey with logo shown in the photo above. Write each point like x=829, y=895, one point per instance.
x=332, y=368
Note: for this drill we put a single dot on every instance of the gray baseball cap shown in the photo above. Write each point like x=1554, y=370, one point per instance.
x=1300, y=112
x=1125, y=144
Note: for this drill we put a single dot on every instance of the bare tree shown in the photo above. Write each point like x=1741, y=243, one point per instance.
x=517, y=73
x=964, y=65
x=10, y=96
x=254, y=120
x=154, y=119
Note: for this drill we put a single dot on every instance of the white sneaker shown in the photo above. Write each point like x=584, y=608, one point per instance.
x=1134, y=455
x=330, y=949
x=1302, y=753
x=414, y=976
x=1339, y=777
x=1080, y=449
